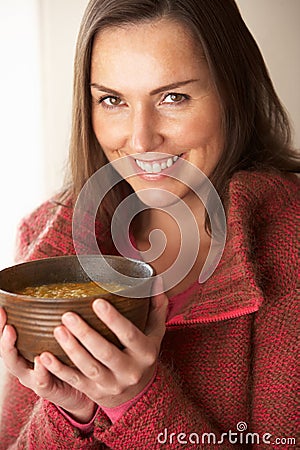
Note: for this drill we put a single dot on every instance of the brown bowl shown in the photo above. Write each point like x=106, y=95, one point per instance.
x=35, y=318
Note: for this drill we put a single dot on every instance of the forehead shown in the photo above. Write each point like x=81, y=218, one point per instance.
x=157, y=45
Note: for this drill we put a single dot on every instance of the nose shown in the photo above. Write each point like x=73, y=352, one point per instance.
x=145, y=135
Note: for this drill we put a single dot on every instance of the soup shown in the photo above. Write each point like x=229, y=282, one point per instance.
x=70, y=290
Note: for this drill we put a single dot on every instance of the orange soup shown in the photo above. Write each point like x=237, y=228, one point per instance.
x=69, y=290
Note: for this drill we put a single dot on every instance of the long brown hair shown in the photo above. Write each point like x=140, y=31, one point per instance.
x=255, y=125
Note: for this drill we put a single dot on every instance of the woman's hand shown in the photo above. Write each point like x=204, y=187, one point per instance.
x=39, y=379
x=107, y=375
x=104, y=375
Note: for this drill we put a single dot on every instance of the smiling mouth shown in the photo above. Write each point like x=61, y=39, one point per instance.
x=158, y=165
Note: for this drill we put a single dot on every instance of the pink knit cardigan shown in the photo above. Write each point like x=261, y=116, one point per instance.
x=227, y=371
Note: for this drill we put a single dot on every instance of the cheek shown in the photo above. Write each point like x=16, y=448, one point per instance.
x=201, y=128
x=109, y=135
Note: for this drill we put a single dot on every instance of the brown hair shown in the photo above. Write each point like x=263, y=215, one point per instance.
x=256, y=127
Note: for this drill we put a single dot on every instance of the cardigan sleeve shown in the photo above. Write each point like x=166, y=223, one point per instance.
x=239, y=369
x=31, y=422
x=275, y=371
x=166, y=417
x=26, y=420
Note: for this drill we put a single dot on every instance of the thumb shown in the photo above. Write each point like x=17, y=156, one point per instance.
x=158, y=309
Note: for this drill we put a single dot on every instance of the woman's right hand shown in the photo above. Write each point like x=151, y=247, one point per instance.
x=39, y=379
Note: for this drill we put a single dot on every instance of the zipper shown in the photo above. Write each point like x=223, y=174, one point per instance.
x=226, y=316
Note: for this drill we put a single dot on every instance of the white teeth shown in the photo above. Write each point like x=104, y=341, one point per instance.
x=156, y=167
x=148, y=167
x=170, y=162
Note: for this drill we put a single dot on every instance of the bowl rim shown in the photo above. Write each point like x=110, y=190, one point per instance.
x=30, y=298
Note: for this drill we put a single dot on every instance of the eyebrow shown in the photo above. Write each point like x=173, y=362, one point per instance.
x=167, y=87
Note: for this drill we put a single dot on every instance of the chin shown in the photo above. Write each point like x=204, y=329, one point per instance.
x=157, y=198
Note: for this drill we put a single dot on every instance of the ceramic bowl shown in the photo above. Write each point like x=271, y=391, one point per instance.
x=35, y=318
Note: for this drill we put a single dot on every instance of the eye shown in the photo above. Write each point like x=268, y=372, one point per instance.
x=174, y=97
x=110, y=101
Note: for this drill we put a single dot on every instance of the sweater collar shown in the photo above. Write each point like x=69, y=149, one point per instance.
x=230, y=292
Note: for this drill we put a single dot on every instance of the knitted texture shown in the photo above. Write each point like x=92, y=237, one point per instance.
x=229, y=357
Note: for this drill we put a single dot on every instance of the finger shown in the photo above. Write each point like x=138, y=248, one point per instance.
x=140, y=351
x=17, y=365
x=43, y=379
x=158, y=312
x=128, y=334
x=2, y=324
x=158, y=286
x=66, y=387
x=64, y=373
x=99, y=349
x=3, y=320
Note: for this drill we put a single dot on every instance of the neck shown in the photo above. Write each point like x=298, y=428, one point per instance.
x=174, y=233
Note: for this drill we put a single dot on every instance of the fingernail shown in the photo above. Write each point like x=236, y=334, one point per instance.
x=45, y=359
x=70, y=318
x=61, y=334
x=100, y=305
x=158, y=286
x=5, y=332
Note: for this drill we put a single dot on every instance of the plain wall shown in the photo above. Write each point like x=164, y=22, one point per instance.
x=275, y=26
x=34, y=146
x=274, y=23
x=21, y=155
x=59, y=25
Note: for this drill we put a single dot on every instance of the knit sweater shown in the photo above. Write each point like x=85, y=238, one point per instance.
x=227, y=365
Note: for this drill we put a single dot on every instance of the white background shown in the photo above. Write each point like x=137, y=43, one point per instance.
x=37, y=41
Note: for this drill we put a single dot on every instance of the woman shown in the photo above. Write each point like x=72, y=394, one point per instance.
x=185, y=81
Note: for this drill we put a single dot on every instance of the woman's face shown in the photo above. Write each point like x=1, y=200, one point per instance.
x=154, y=101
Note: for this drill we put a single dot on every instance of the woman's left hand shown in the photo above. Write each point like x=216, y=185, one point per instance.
x=105, y=374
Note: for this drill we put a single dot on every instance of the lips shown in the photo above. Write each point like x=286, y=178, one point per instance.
x=156, y=166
